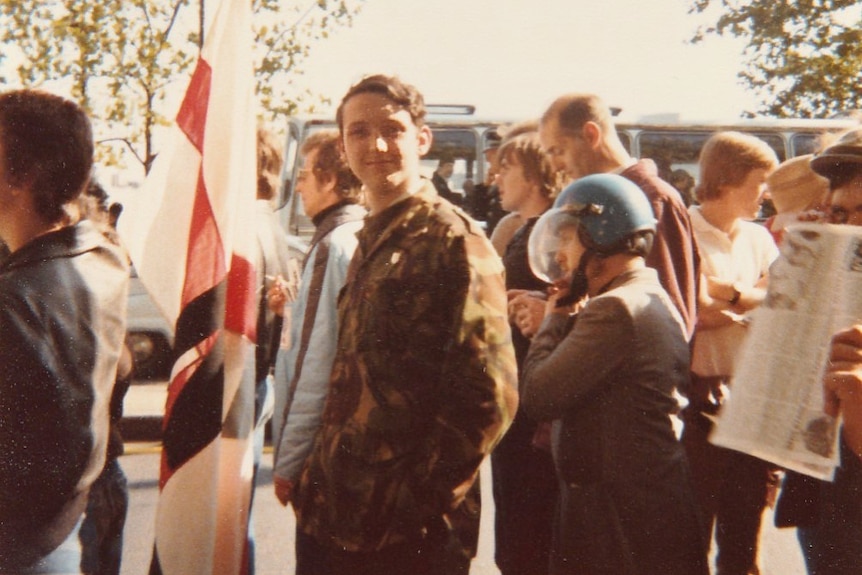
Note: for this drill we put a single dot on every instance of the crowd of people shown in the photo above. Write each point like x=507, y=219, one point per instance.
x=586, y=347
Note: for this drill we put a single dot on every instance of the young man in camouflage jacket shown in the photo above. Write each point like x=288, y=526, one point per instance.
x=423, y=383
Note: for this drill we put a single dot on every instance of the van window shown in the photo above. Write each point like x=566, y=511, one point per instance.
x=776, y=142
x=291, y=156
x=673, y=151
x=626, y=140
x=802, y=144
x=455, y=144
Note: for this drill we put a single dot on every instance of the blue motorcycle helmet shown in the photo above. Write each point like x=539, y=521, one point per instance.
x=612, y=208
x=607, y=212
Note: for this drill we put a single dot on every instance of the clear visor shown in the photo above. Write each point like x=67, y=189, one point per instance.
x=554, y=245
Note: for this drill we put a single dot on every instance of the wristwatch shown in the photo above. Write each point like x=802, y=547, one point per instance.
x=736, y=295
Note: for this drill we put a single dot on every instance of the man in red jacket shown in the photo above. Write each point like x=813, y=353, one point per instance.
x=578, y=134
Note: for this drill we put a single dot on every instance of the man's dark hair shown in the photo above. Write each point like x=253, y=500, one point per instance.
x=636, y=244
x=404, y=95
x=47, y=143
x=331, y=162
x=269, y=159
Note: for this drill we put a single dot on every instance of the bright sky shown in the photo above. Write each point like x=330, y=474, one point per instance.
x=513, y=57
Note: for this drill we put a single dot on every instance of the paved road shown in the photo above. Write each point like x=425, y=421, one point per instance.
x=274, y=525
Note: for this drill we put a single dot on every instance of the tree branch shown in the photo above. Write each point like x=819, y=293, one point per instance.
x=128, y=145
x=167, y=31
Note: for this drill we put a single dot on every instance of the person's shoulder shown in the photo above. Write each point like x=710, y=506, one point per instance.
x=342, y=241
x=644, y=173
x=758, y=232
x=639, y=296
x=611, y=308
x=446, y=218
x=754, y=228
x=345, y=231
x=449, y=225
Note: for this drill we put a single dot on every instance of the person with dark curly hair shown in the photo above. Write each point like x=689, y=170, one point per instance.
x=63, y=292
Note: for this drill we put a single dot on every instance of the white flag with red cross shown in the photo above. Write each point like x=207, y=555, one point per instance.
x=189, y=231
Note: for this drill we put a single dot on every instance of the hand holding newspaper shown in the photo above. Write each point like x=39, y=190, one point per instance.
x=775, y=411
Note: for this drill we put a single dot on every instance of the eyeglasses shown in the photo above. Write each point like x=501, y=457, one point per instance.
x=841, y=215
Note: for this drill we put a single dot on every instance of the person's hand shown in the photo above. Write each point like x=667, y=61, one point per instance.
x=720, y=292
x=561, y=290
x=842, y=384
x=283, y=490
x=815, y=215
x=460, y=492
x=277, y=296
x=526, y=311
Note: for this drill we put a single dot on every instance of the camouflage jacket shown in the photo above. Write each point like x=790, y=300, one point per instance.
x=416, y=396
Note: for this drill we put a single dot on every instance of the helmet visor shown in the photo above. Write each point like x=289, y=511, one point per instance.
x=554, y=248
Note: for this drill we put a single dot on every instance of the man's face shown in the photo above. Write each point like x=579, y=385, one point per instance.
x=491, y=160
x=514, y=188
x=446, y=170
x=316, y=195
x=382, y=144
x=748, y=195
x=845, y=203
x=566, y=152
x=570, y=250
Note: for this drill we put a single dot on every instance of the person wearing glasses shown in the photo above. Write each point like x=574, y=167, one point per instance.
x=828, y=515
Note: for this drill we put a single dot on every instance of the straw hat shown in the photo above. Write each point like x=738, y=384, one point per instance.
x=795, y=187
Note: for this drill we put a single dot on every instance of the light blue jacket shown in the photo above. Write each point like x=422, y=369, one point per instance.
x=298, y=411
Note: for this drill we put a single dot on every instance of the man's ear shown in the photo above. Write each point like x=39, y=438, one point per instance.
x=327, y=182
x=592, y=133
x=426, y=137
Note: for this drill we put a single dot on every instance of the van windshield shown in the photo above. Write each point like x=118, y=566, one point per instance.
x=457, y=145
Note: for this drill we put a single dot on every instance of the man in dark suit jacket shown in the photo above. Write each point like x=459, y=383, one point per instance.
x=606, y=377
x=440, y=179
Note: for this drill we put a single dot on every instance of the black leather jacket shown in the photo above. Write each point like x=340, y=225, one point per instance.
x=62, y=325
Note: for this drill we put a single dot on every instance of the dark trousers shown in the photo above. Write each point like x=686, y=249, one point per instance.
x=525, y=498
x=438, y=553
x=731, y=488
x=828, y=516
x=101, y=533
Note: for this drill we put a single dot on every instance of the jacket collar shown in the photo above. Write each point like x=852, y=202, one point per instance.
x=385, y=223
x=69, y=241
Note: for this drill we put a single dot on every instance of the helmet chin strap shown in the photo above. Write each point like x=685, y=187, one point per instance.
x=580, y=284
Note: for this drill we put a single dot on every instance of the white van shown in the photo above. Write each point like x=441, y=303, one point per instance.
x=672, y=143
x=675, y=145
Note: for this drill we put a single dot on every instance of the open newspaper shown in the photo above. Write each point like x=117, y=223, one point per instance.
x=775, y=409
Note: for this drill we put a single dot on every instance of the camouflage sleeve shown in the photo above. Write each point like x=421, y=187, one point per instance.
x=480, y=370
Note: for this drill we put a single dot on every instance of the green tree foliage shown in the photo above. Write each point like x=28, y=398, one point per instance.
x=804, y=57
x=126, y=61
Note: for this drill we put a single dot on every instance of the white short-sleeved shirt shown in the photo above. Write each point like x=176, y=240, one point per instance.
x=743, y=258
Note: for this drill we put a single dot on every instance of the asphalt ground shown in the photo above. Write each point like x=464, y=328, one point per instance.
x=274, y=525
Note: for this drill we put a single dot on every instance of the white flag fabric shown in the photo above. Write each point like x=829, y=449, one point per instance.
x=190, y=233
